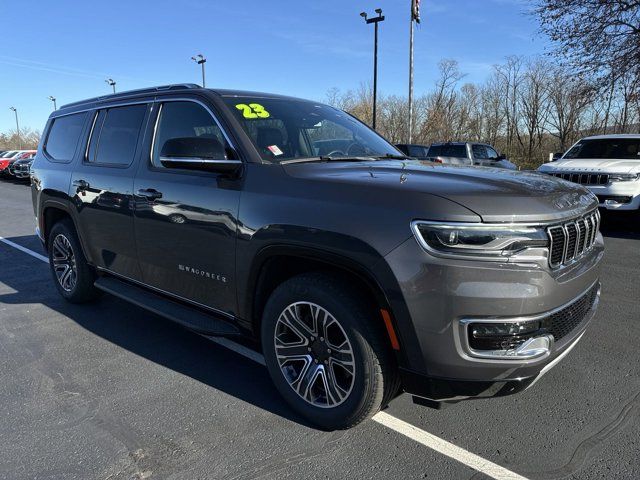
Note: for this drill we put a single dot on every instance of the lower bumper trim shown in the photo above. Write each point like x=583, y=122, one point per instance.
x=452, y=390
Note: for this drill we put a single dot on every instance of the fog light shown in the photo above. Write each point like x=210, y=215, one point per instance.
x=500, y=336
x=508, y=340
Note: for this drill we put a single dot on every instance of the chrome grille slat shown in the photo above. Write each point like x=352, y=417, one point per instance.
x=572, y=234
x=581, y=236
x=583, y=178
x=570, y=240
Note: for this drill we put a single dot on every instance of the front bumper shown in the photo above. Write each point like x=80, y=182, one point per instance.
x=618, y=195
x=440, y=294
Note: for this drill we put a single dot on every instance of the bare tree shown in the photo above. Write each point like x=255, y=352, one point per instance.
x=568, y=98
x=594, y=35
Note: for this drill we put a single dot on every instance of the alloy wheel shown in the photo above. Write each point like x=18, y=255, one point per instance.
x=64, y=263
x=314, y=354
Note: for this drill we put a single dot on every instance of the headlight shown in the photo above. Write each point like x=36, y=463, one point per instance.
x=479, y=241
x=623, y=177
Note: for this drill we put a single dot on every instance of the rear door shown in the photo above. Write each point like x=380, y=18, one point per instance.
x=102, y=187
x=185, y=220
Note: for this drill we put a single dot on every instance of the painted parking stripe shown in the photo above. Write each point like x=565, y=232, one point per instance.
x=400, y=426
x=25, y=250
x=446, y=448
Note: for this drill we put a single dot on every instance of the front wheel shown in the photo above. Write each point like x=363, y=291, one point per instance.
x=325, y=352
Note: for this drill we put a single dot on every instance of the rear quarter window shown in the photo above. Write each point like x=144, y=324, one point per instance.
x=63, y=137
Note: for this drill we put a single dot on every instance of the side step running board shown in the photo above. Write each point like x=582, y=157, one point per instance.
x=186, y=316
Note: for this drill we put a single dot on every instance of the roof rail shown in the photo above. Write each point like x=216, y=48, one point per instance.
x=129, y=93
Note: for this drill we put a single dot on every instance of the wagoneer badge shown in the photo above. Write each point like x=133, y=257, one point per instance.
x=202, y=273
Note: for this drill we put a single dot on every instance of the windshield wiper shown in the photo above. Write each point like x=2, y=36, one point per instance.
x=327, y=158
x=346, y=158
x=392, y=156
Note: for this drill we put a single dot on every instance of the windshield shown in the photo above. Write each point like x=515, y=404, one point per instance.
x=289, y=129
x=615, y=148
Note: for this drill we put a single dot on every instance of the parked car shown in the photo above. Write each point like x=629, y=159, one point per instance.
x=21, y=168
x=25, y=155
x=467, y=153
x=357, y=274
x=7, y=159
x=608, y=165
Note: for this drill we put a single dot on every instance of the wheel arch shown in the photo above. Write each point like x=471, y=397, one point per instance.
x=277, y=263
x=52, y=213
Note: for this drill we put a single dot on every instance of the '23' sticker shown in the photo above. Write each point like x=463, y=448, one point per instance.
x=253, y=110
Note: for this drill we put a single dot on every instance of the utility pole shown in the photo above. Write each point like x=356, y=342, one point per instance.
x=375, y=21
x=415, y=16
x=200, y=60
x=15, y=110
x=111, y=82
x=53, y=99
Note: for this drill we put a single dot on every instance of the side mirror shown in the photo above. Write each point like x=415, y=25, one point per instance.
x=197, y=153
x=502, y=156
x=556, y=156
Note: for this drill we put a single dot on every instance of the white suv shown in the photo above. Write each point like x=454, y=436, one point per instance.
x=609, y=165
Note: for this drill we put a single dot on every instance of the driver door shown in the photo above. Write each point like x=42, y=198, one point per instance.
x=186, y=220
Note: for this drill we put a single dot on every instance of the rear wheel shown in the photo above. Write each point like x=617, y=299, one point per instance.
x=71, y=273
x=324, y=351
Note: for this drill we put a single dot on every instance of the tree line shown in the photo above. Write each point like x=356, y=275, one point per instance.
x=527, y=108
x=27, y=140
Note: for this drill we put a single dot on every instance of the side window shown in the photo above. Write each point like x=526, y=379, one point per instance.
x=115, y=135
x=479, y=152
x=184, y=120
x=63, y=136
x=417, y=151
x=491, y=154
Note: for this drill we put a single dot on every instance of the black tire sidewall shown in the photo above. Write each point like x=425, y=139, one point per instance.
x=84, y=289
x=363, y=397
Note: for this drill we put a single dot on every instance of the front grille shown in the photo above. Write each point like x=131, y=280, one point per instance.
x=562, y=322
x=573, y=239
x=583, y=178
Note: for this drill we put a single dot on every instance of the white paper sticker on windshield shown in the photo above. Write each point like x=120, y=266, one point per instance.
x=275, y=150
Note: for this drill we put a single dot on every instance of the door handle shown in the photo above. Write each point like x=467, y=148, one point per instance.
x=81, y=185
x=149, y=193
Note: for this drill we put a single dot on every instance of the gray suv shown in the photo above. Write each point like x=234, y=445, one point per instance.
x=468, y=153
x=288, y=224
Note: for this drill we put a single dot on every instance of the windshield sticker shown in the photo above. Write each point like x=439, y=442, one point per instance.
x=275, y=150
x=253, y=110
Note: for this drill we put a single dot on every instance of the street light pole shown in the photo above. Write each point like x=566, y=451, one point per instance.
x=415, y=17
x=53, y=99
x=112, y=83
x=200, y=60
x=375, y=21
x=15, y=110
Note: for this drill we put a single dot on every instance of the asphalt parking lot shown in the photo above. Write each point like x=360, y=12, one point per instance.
x=110, y=391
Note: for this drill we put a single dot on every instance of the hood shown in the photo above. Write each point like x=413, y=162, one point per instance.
x=593, y=165
x=494, y=194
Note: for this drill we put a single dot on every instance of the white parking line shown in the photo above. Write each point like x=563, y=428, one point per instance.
x=25, y=250
x=446, y=448
x=400, y=426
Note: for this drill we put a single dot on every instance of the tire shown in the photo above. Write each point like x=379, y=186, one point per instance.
x=75, y=283
x=339, y=397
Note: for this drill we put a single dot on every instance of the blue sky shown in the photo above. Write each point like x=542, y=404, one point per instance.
x=67, y=48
